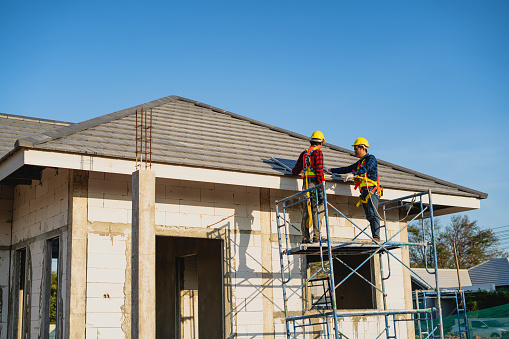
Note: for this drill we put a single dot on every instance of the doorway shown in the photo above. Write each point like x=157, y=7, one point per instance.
x=189, y=288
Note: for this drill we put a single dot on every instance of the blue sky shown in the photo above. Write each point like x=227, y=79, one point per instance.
x=426, y=82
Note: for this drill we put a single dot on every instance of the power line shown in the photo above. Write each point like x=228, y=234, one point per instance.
x=494, y=228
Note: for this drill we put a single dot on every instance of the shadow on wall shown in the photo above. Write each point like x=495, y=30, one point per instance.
x=241, y=268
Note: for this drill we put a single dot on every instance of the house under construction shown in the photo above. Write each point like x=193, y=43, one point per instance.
x=190, y=229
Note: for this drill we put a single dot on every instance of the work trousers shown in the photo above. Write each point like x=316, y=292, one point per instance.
x=305, y=215
x=370, y=210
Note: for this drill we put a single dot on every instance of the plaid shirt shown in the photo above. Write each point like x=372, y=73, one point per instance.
x=370, y=167
x=316, y=159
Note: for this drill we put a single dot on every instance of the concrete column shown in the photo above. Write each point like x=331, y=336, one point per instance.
x=76, y=284
x=267, y=273
x=143, y=274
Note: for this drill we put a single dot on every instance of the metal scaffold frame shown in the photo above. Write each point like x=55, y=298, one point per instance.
x=324, y=312
x=427, y=298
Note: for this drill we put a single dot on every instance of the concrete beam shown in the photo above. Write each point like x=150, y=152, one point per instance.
x=119, y=166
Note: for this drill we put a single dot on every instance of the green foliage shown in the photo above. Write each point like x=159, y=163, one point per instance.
x=473, y=244
x=53, y=298
x=486, y=299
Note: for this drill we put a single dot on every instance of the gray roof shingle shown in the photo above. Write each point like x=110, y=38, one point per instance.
x=494, y=271
x=190, y=133
x=16, y=127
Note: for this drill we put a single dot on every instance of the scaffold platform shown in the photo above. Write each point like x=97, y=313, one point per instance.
x=319, y=284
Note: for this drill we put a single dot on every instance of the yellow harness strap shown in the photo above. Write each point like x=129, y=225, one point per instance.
x=365, y=183
x=310, y=212
x=365, y=201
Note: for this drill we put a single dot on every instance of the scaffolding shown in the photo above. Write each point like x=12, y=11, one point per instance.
x=316, y=289
x=428, y=298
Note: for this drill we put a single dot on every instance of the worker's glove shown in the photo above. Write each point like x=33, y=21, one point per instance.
x=328, y=171
x=348, y=177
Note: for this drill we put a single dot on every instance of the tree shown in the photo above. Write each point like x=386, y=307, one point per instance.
x=53, y=299
x=473, y=244
x=421, y=233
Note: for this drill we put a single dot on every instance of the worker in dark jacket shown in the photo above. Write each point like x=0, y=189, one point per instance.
x=365, y=175
x=311, y=163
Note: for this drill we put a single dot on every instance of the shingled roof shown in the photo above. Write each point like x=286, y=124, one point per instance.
x=190, y=133
x=16, y=127
x=494, y=271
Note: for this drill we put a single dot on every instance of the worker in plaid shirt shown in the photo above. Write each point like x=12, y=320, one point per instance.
x=311, y=163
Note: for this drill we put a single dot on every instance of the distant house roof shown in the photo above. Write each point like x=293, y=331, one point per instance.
x=447, y=278
x=16, y=127
x=190, y=133
x=494, y=271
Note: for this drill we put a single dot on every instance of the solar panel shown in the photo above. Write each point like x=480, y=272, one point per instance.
x=286, y=163
x=289, y=164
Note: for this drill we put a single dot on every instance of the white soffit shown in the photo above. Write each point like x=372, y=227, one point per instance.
x=119, y=166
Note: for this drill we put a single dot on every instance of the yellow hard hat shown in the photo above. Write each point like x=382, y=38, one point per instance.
x=317, y=135
x=361, y=141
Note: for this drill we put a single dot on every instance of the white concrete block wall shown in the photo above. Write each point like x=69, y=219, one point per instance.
x=6, y=202
x=4, y=284
x=178, y=203
x=109, y=197
x=395, y=285
x=41, y=206
x=369, y=327
x=198, y=205
x=106, y=271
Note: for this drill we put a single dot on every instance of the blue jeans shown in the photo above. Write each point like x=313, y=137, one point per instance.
x=370, y=210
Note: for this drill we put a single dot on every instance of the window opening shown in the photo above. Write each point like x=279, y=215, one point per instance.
x=20, y=295
x=51, y=293
x=355, y=293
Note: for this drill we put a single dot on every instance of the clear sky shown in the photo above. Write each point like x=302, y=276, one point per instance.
x=426, y=82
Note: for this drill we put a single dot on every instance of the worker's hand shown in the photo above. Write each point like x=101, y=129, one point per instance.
x=348, y=177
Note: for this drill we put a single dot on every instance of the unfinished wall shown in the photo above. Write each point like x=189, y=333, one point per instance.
x=197, y=210
x=40, y=212
x=41, y=207
x=251, y=261
x=6, y=202
x=106, y=278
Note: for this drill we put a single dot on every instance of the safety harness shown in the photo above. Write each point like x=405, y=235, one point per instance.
x=308, y=173
x=361, y=181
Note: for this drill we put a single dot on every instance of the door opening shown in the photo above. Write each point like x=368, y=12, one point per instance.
x=189, y=288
